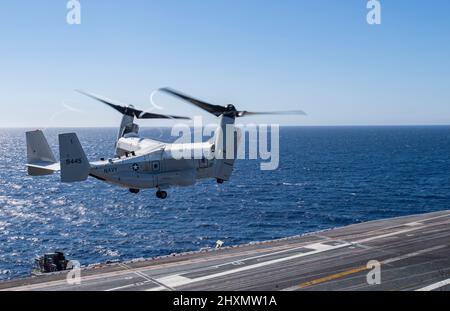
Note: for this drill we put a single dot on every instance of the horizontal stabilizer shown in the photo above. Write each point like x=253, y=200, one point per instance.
x=42, y=168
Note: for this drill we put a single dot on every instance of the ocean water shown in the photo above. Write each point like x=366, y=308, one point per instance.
x=328, y=177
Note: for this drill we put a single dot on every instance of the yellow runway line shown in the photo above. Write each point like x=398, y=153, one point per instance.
x=333, y=277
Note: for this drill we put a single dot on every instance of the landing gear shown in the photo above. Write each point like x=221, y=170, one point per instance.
x=219, y=181
x=161, y=194
x=135, y=191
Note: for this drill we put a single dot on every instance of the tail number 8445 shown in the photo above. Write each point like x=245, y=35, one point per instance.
x=74, y=161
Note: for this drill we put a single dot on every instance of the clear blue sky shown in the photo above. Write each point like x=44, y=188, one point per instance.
x=319, y=56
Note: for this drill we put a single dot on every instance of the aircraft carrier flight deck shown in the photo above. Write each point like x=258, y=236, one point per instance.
x=413, y=253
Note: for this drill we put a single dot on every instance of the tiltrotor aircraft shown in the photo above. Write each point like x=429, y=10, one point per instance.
x=141, y=163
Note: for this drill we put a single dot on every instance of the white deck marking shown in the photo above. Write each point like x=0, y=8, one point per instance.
x=406, y=256
x=142, y=275
x=386, y=235
x=316, y=248
x=434, y=286
x=259, y=256
x=412, y=224
x=128, y=286
x=432, y=218
x=415, y=227
x=174, y=280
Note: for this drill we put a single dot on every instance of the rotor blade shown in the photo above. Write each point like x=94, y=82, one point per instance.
x=149, y=115
x=250, y=113
x=214, y=109
x=130, y=111
x=106, y=101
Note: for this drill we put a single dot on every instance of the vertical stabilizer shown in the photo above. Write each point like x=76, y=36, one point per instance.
x=74, y=164
x=38, y=149
x=40, y=158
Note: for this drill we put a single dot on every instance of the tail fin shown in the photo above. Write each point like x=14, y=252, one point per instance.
x=40, y=158
x=74, y=164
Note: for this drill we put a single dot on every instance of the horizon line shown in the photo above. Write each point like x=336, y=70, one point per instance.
x=288, y=125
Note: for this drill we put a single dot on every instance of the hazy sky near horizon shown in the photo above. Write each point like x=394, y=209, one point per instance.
x=319, y=55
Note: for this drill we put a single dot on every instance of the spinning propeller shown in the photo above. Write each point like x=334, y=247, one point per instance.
x=229, y=110
x=130, y=110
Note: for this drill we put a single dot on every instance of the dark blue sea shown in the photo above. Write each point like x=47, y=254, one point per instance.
x=328, y=177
